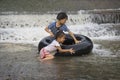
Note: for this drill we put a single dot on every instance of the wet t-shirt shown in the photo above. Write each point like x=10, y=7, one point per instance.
x=54, y=29
x=52, y=47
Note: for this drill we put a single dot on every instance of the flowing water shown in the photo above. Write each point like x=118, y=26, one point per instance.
x=20, y=35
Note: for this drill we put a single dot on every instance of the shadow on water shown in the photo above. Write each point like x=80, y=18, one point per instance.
x=85, y=68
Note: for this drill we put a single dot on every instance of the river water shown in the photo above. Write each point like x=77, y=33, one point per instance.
x=20, y=35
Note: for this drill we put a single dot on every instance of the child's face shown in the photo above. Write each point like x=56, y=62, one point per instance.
x=62, y=39
x=63, y=21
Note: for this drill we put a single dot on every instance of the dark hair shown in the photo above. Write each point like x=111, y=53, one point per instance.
x=59, y=34
x=62, y=15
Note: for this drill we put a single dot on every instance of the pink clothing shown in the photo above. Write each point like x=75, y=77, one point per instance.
x=48, y=49
x=43, y=53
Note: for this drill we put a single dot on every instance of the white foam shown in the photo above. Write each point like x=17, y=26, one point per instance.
x=83, y=11
x=97, y=31
x=22, y=35
x=30, y=28
x=103, y=52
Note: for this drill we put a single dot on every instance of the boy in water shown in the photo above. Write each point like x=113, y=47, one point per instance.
x=53, y=28
x=55, y=45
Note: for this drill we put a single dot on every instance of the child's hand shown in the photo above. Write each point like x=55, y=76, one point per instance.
x=52, y=35
x=72, y=51
x=77, y=41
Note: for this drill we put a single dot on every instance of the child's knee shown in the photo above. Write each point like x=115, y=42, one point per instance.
x=51, y=56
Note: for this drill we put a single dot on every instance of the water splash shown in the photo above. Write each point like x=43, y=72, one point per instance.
x=31, y=27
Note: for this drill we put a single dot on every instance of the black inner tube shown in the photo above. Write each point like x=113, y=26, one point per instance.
x=69, y=40
x=84, y=47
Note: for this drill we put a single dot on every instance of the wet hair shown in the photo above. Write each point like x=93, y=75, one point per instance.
x=62, y=15
x=59, y=34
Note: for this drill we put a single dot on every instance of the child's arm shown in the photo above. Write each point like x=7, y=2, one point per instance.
x=72, y=35
x=65, y=50
x=47, y=30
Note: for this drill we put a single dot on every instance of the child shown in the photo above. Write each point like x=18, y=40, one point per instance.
x=55, y=45
x=53, y=28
